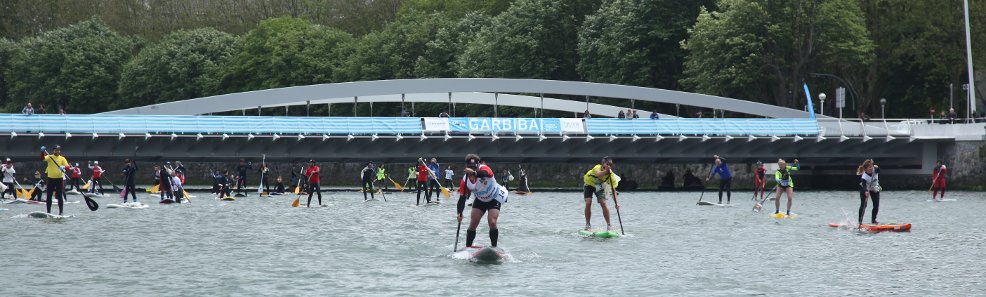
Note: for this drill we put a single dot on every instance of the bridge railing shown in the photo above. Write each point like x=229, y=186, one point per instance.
x=160, y=124
x=711, y=127
x=206, y=124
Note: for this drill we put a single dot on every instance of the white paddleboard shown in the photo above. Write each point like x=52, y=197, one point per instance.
x=707, y=203
x=128, y=205
x=942, y=200
x=45, y=215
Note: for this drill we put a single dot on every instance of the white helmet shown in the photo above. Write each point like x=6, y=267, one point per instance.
x=95, y=162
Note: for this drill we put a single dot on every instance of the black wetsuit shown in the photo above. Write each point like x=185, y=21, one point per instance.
x=241, y=171
x=128, y=187
x=165, y=180
x=864, y=187
x=367, y=181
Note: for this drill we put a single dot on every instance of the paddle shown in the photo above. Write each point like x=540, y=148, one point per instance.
x=703, y=186
x=93, y=206
x=617, y=203
x=457, y=229
x=764, y=199
x=396, y=185
x=933, y=180
x=263, y=166
x=297, y=191
x=445, y=191
x=115, y=188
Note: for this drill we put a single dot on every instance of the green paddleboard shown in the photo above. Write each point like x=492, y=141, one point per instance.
x=600, y=234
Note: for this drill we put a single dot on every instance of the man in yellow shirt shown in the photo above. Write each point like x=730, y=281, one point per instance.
x=596, y=180
x=57, y=165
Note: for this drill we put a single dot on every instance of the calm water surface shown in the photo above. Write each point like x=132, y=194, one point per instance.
x=256, y=246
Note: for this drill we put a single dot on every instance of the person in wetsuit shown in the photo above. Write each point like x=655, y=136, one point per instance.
x=129, y=170
x=313, y=179
x=366, y=180
x=869, y=188
x=725, y=178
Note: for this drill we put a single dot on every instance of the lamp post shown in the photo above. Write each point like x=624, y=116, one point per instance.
x=821, y=97
x=883, y=105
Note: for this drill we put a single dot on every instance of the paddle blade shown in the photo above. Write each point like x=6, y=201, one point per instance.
x=297, y=201
x=154, y=189
x=93, y=206
x=87, y=185
x=187, y=196
x=297, y=190
x=398, y=186
x=20, y=193
x=446, y=193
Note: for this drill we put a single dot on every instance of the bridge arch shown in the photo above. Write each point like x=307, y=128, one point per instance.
x=469, y=90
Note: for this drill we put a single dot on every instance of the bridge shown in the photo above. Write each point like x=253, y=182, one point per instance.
x=179, y=130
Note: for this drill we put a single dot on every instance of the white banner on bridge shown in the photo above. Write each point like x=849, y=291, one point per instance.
x=572, y=126
x=435, y=124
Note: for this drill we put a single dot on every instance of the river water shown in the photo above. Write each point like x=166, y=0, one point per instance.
x=254, y=246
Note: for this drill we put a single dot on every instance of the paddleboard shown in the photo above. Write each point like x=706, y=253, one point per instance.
x=485, y=254
x=166, y=201
x=599, y=233
x=706, y=203
x=876, y=228
x=239, y=195
x=2, y=209
x=521, y=193
x=128, y=205
x=53, y=202
x=781, y=215
x=72, y=192
x=228, y=199
x=45, y=215
x=942, y=200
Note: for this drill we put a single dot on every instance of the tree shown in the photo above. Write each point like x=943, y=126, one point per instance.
x=531, y=39
x=441, y=53
x=77, y=66
x=458, y=8
x=284, y=52
x=8, y=50
x=753, y=47
x=637, y=42
x=394, y=51
x=182, y=65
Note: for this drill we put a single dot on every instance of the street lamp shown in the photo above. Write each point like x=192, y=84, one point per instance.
x=883, y=104
x=822, y=98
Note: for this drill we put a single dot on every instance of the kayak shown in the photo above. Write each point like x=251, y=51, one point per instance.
x=781, y=215
x=599, y=234
x=485, y=254
x=876, y=228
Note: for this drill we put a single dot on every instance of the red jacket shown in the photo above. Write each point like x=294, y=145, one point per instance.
x=97, y=172
x=312, y=174
x=76, y=172
x=422, y=173
x=938, y=176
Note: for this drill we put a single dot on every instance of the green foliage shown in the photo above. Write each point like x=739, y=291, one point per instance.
x=8, y=51
x=753, y=47
x=532, y=39
x=77, y=66
x=636, y=42
x=183, y=65
x=394, y=51
x=457, y=8
x=441, y=53
x=285, y=52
